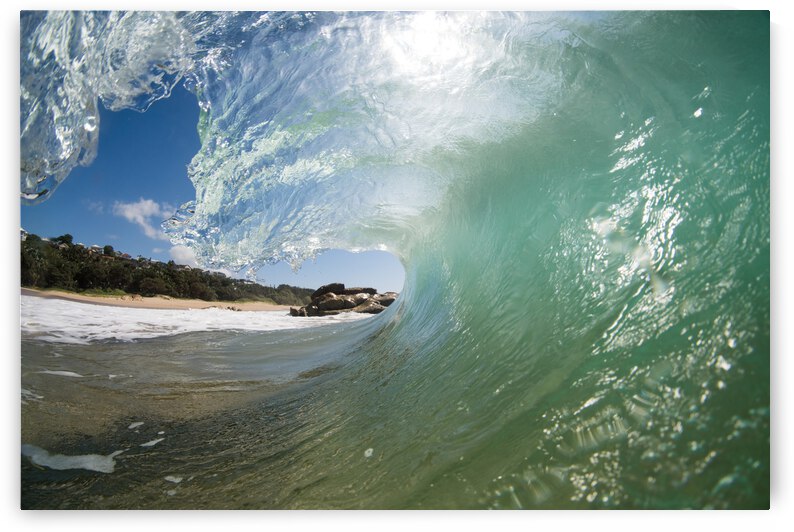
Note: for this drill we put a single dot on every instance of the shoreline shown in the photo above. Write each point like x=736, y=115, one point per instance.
x=155, y=302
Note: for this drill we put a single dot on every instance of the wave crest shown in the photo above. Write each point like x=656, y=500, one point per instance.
x=581, y=201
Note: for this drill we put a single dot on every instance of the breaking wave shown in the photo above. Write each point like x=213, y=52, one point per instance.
x=581, y=202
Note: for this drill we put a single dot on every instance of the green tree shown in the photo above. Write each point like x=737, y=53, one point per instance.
x=119, y=275
x=200, y=290
x=63, y=239
x=33, y=263
x=91, y=275
x=152, y=286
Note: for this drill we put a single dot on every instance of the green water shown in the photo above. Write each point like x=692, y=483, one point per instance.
x=584, y=221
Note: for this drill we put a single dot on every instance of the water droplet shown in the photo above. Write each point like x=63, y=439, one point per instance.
x=90, y=123
x=722, y=364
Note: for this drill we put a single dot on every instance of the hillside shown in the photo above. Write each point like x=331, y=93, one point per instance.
x=60, y=263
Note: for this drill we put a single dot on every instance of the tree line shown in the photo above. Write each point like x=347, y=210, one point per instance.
x=60, y=263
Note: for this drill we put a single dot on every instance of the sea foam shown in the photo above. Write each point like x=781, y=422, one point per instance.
x=55, y=320
x=91, y=462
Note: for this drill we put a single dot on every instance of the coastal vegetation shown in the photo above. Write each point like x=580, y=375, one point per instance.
x=60, y=263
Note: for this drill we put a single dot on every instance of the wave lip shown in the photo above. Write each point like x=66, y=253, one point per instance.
x=70, y=60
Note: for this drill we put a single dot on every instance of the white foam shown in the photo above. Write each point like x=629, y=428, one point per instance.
x=57, y=320
x=61, y=373
x=174, y=479
x=27, y=395
x=91, y=462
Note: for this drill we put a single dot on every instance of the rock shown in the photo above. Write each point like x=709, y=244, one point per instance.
x=336, y=288
x=360, y=297
x=350, y=301
x=370, y=306
x=323, y=298
x=354, y=291
x=385, y=299
x=332, y=299
x=330, y=302
x=319, y=299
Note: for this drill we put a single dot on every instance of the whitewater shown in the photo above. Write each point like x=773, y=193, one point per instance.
x=72, y=322
x=581, y=204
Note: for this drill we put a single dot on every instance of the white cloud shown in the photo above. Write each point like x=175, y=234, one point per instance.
x=97, y=207
x=145, y=213
x=183, y=255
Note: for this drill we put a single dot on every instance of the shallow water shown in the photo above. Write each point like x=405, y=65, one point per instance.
x=581, y=202
x=134, y=402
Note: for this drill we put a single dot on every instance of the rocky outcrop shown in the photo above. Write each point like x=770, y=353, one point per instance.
x=334, y=298
x=336, y=288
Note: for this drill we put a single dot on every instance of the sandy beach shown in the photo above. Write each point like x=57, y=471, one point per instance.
x=156, y=302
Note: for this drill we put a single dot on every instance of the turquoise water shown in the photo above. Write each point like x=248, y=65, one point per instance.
x=581, y=203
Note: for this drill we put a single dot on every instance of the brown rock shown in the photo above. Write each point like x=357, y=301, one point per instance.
x=321, y=299
x=386, y=299
x=356, y=290
x=370, y=306
x=334, y=298
x=335, y=302
x=328, y=302
x=359, y=298
x=336, y=288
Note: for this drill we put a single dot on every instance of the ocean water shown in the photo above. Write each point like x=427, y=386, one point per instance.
x=581, y=203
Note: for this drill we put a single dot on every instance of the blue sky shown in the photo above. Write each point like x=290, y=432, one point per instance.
x=139, y=178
